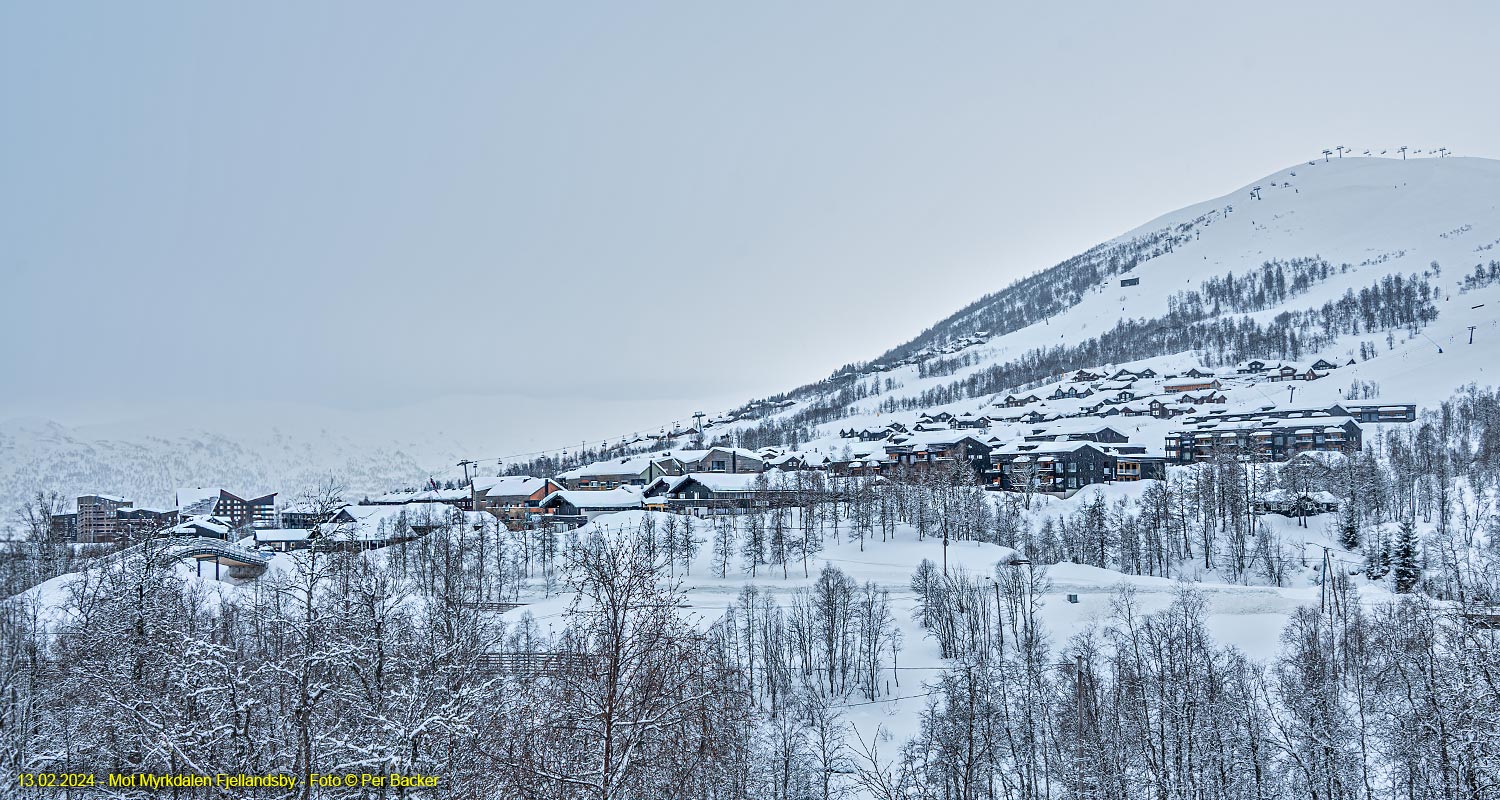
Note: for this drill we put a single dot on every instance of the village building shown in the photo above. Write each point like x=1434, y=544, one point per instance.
x=575, y=507
x=1017, y=401
x=366, y=527
x=205, y=526
x=926, y=451
x=64, y=527
x=254, y=511
x=710, y=493
x=96, y=518
x=134, y=524
x=513, y=499
x=1273, y=440
x=459, y=497
x=719, y=459
x=1093, y=433
x=628, y=471
x=1194, y=384
x=282, y=540
x=1065, y=467
x=1295, y=504
x=1379, y=412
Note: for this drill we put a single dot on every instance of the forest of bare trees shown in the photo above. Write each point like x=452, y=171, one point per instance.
x=395, y=660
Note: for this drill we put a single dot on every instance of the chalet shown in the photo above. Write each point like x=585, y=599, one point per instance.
x=1194, y=385
x=1084, y=376
x=1323, y=365
x=1165, y=410
x=1381, y=412
x=460, y=498
x=930, y=426
x=1295, y=504
x=365, y=527
x=1196, y=373
x=628, y=471
x=1291, y=372
x=1134, y=411
x=1203, y=399
x=706, y=493
x=1066, y=467
x=1312, y=470
x=575, y=508
x=202, y=525
x=940, y=417
x=282, y=540
x=1129, y=282
x=810, y=460
x=1072, y=391
x=513, y=498
x=970, y=421
x=720, y=459
x=1101, y=433
x=932, y=450
x=1276, y=440
x=1250, y=367
x=1014, y=401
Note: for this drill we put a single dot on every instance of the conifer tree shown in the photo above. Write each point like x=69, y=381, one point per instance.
x=1405, y=557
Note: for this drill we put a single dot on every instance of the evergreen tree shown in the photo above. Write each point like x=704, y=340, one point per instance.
x=1405, y=557
x=1349, y=526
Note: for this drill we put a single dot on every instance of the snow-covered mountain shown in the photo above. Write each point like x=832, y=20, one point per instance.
x=147, y=465
x=1329, y=228
x=1260, y=272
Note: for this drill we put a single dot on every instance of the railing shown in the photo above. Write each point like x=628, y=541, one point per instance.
x=491, y=606
x=202, y=545
x=533, y=664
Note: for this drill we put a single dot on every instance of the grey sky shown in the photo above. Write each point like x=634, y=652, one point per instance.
x=364, y=205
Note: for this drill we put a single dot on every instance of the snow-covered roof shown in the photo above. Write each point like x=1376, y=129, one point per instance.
x=628, y=465
x=282, y=535
x=197, y=523
x=373, y=523
x=620, y=498
x=422, y=496
x=509, y=485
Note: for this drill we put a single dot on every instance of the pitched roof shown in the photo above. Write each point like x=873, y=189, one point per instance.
x=509, y=485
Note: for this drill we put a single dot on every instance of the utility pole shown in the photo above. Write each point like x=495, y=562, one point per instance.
x=1471, y=334
x=466, y=463
x=1341, y=149
x=1402, y=148
x=1326, y=154
x=1291, y=394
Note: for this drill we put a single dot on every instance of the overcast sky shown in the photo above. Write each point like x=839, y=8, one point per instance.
x=365, y=205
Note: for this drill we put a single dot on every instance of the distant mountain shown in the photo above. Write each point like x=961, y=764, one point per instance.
x=147, y=467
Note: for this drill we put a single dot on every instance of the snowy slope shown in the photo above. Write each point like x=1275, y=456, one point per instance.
x=1367, y=217
x=1378, y=216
